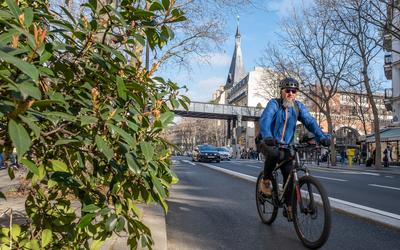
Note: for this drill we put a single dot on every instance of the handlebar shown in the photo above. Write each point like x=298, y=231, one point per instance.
x=297, y=145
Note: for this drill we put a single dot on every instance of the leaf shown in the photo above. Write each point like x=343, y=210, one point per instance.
x=60, y=176
x=85, y=221
x=26, y=67
x=62, y=115
x=140, y=39
x=159, y=187
x=121, y=18
x=147, y=150
x=133, y=164
x=166, y=4
x=66, y=141
x=29, y=90
x=32, y=245
x=57, y=165
x=44, y=103
x=117, y=167
x=2, y=195
x=121, y=88
x=88, y=120
x=19, y=137
x=16, y=231
x=15, y=10
x=104, y=148
x=31, y=166
x=46, y=237
x=90, y=208
x=167, y=117
x=120, y=224
x=113, y=51
x=175, y=103
x=32, y=125
x=128, y=138
x=111, y=223
x=28, y=17
x=72, y=182
x=96, y=243
x=104, y=211
x=156, y=5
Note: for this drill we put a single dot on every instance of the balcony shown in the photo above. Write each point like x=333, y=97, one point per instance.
x=387, y=42
x=388, y=67
x=388, y=96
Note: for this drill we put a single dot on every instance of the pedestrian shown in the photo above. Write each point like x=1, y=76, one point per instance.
x=277, y=124
x=373, y=157
x=388, y=156
x=344, y=156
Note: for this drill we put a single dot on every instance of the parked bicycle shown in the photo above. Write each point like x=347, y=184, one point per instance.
x=310, y=204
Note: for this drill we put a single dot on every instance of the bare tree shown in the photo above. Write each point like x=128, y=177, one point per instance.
x=311, y=53
x=268, y=88
x=364, y=45
x=385, y=16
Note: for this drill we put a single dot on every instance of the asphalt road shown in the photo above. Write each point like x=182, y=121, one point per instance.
x=212, y=210
x=372, y=190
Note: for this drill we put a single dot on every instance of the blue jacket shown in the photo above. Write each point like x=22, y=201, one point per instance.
x=275, y=127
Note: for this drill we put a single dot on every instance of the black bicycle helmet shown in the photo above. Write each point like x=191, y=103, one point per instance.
x=289, y=83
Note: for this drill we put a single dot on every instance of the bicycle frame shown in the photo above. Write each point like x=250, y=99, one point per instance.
x=293, y=174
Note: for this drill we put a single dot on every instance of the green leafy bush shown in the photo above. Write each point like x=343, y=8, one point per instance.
x=92, y=121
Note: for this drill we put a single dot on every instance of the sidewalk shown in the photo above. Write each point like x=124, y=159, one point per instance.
x=153, y=216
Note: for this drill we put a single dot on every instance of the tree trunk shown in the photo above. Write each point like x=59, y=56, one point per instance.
x=102, y=36
x=378, y=163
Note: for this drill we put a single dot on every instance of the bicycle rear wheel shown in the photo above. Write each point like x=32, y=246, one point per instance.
x=265, y=205
x=313, y=224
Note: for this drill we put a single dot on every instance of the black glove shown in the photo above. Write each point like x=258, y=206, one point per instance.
x=270, y=141
x=325, y=142
x=258, y=138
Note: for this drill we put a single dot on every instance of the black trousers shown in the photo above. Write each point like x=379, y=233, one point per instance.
x=274, y=155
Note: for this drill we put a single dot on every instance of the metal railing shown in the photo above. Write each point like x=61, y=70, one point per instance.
x=220, y=110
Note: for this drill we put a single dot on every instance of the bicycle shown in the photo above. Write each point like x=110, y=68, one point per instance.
x=310, y=204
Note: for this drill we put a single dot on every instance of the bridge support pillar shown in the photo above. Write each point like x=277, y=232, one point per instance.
x=228, y=136
x=239, y=135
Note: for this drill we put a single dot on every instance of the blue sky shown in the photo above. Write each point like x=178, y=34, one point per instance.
x=256, y=30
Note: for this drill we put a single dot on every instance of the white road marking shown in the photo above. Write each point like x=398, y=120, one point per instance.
x=372, y=174
x=252, y=166
x=389, y=176
x=189, y=162
x=333, y=179
x=236, y=163
x=384, y=186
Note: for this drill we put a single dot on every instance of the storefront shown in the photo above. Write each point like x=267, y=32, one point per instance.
x=388, y=137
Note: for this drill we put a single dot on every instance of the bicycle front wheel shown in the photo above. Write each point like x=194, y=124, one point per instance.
x=265, y=205
x=312, y=220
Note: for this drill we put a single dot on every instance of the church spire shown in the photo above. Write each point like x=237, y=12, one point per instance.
x=237, y=70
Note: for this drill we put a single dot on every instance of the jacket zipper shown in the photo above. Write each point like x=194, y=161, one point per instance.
x=284, y=127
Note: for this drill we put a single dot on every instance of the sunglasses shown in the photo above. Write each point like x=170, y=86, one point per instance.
x=294, y=91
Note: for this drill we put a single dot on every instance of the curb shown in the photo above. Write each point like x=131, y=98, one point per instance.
x=154, y=217
x=381, y=218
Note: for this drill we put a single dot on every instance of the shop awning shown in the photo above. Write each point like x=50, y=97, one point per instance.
x=389, y=134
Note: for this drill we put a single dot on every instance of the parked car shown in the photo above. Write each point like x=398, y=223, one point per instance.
x=225, y=155
x=205, y=153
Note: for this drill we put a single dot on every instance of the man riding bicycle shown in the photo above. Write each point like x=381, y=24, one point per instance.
x=277, y=124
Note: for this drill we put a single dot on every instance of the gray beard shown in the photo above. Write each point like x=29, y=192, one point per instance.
x=286, y=103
